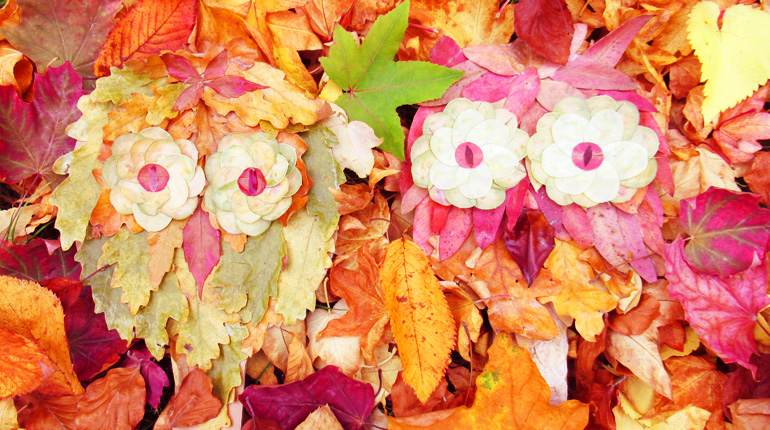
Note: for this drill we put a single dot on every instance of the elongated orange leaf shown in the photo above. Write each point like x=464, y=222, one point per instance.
x=21, y=369
x=148, y=28
x=419, y=315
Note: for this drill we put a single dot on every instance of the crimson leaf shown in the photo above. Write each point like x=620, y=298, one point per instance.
x=530, y=242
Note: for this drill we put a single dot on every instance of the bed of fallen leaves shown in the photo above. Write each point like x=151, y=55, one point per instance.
x=367, y=305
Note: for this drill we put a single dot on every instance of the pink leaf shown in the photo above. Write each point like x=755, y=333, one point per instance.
x=440, y=214
x=530, y=242
x=486, y=225
x=412, y=198
x=458, y=226
x=576, y=222
x=722, y=310
x=153, y=374
x=217, y=67
x=583, y=72
x=202, y=248
x=514, y=201
x=618, y=238
x=32, y=135
x=446, y=52
x=189, y=97
x=726, y=230
x=610, y=48
x=546, y=25
x=421, y=230
x=522, y=92
x=495, y=58
x=651, y=218
x=180, y=68
x=552, y=212
x=472, y=72
x=490, y=87
x=232, y=86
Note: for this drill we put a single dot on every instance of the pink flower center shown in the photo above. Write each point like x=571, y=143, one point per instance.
x=252, y=182
x=153, y=177
x=468, y=155
x=587, y=156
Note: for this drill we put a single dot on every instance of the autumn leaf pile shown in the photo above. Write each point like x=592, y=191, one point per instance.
x=239, y=214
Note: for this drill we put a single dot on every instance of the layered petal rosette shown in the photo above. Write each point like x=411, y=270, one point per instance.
x=592, y=151
x=252, y=179
x=469, y=154
x=154, y=177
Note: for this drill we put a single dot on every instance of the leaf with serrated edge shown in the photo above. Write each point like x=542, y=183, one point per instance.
x=422, y=323
x=326, y=174
x=375, y=85
x=167, y=302
x=132, y=272
x=308, y=256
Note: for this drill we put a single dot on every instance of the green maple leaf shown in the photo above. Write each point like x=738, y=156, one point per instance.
x=375, y=85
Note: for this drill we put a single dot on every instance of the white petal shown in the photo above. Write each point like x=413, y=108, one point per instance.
x=499, y=160
x=554, y=194
x=630, y=115
x=241, y=209
x=605, y=186
x=278, y=209
x=644, y=178
x=178, y=192
x=463, y=124
x=605, y=127
x=545, y=123
x=573, y=105
x=537, y=144
x=598, y=103
x=195, y=186
x=628, y=158
x=159, y=149
x=420, y=145
x=492, y=200
x=294, y=181
x=437, y=121
x=582, y=200
x=456, y=198
x=478, y=184
x=457, y=106
x=447, y=177
x=184, y=211
x=213, y=164
x=558, y=164
x=122, y=204
x=154, y=202
x=224, y=176
x=155, y=133
x=575, y=184
x=517, y=143
x=237, y=156
x=488, y=132
x=647, y=138
x=124, y=142
x=513, y=179
x=507, y=117
x=624, y=195
x=278, y=172
x=227, y=221
x=179, y=165
x=421, y=169
x=275, y=193
x=254, y=229
x=486, y=110
x=259, y=206
x=568, y=131
x=536, y=172
x=264, y=153
x=188, y=148
x=151, y=222
x=221, y=196
x=441, y=146
x=125, y=168
x=232, y=139
x=110, y=172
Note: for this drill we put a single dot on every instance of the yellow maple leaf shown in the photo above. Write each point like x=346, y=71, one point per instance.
x=734, y=48
x=419, y=315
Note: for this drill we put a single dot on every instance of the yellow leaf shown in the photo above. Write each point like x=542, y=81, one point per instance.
x=35, y=313
x=419, y=315
x=577, y=297
x=8, y=419
x=735, y=55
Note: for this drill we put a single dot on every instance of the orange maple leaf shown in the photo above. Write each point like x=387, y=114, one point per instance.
x=510, y=395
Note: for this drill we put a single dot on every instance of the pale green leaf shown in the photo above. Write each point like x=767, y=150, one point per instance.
x=167, y=302
x=375, y=85
x=308, y=259
x=326, y=174
x=132, y=273
x=225, y=372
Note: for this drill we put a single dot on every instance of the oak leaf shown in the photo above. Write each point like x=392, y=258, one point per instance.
x=166, y=24
x=419, y=316
x=375, y=85
x=722, y=310
x=350, y=400
x=192, y=404
x=726, y=229
x=75, y=31
x=510, y=394
x=32, y=135
x=732, y=46
x=28, y=309
x=132, y=271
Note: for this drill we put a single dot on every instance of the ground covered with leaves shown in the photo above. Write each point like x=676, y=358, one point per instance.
x=369, y=214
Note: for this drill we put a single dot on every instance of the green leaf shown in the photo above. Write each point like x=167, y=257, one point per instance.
x=225, y=373
x=106, y=298
x=167, y=302
x=326, y=173
x=308, y=256
x=132, y=273
x=375, y=85
x=249, y=278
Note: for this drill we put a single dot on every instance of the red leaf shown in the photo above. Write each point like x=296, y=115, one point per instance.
x=530, y=241
x=583, y=72
x=350, y=400
x=486, y=225
x=33, y=262
x=726, y=230
x=193, y=404
x=758, y=177
x=32, y=135
x=722, y=310
x=180, y=68
x=546, y=25
x=93, y=346
x=232, y=86
x=459, y=225
x=153, y=374
x=610, y=48
x=166, y=25
x=202, y=247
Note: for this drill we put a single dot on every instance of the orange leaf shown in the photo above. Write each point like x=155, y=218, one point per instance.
x=115, y=402
x=149, y=27
x=37, y=412
x=193, y=404
x=511, y=304
x=21, y=369
x=750, y=414
x=510, y=395
x=696, y=381
x=419, y=315
x=35, y=313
